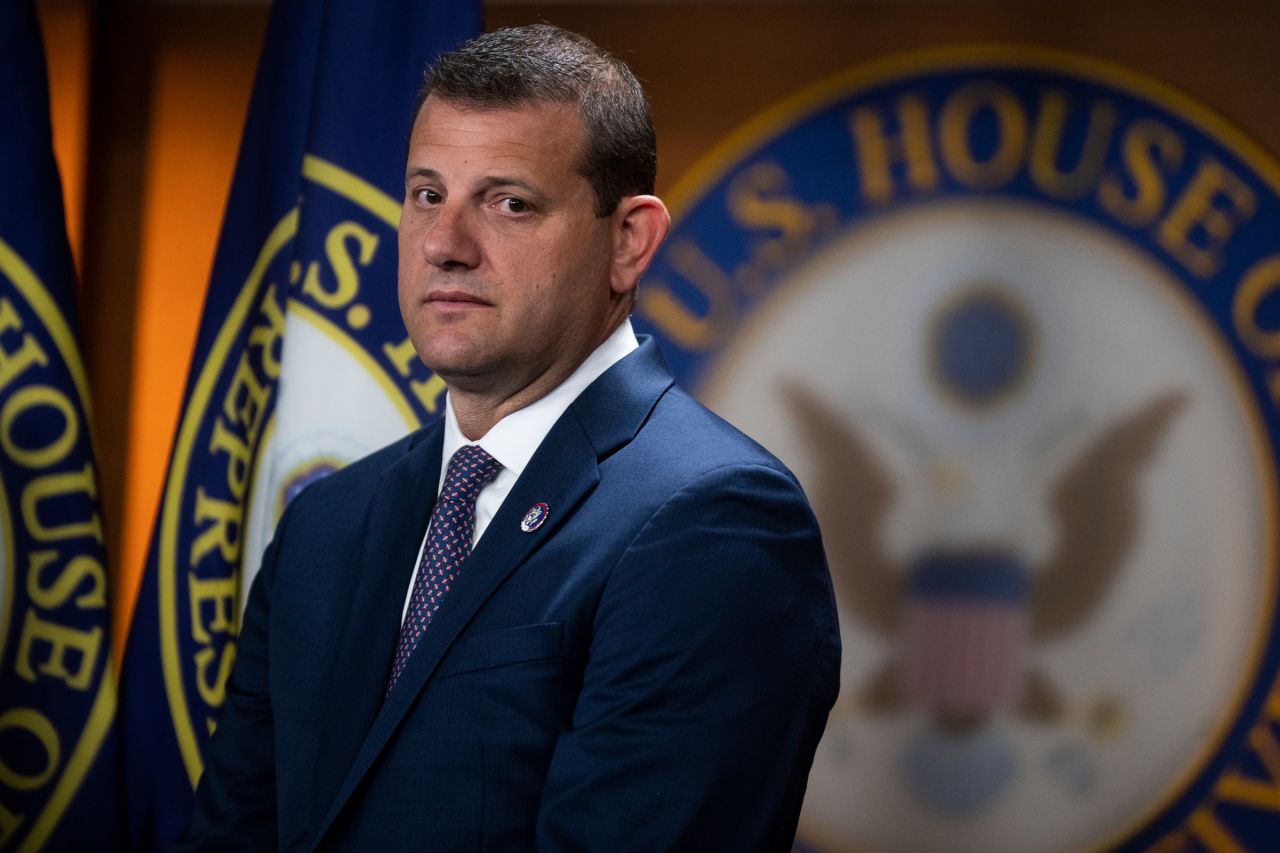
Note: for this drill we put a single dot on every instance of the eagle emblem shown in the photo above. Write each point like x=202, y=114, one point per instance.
x=967, y=620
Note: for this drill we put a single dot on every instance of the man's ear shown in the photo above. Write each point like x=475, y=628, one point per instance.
x=641, y=223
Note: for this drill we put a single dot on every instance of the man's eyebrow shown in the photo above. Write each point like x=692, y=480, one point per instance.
x=505, y=181
x=485, y=184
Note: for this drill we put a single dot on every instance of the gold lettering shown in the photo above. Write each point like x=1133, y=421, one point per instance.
x=57, y=443
x=1272, y=708
x=877, y=151
x=77, y=570
x=51, y=486
x=1046, y=148
x=686, y=328
x=222, y=534
x=1262, y=280
x=1011, y=137
x=61, y=639
x=265, y=335
x=220, y=595
x=1257, y=793
x=428, y=391
x=9, y=823
x=224, y=440
x=1175, y=842
x=1233, y=787
x=246, y=400
x=216, y=597
x=33, y=723
x=344, y=270
x=1200, y=209
x=14, y=362
x=1210, y=832
x=401, y=355
x=214, y=693
x=1148, y=146
x=752, y=203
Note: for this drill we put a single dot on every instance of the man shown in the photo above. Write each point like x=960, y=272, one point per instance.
x=614, y=628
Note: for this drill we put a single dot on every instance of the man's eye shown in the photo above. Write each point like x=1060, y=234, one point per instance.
x=425, y=196
x=514, y=205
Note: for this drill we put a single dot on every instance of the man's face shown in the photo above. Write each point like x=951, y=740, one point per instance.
x=504, y=267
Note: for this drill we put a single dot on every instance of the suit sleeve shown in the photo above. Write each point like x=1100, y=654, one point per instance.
x=713, y=664
x=235, y=801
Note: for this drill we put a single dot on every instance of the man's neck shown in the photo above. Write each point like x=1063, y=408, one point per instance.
x=477, y=412
x=478, y=408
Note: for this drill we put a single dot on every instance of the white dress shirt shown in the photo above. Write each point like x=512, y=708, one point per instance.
x=514, y=439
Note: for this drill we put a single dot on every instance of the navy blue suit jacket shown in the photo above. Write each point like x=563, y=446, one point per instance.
x=651, y=669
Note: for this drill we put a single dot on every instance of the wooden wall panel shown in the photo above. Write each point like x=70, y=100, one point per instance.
x=708, y=67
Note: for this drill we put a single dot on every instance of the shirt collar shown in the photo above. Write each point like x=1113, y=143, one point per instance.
x=514, y=439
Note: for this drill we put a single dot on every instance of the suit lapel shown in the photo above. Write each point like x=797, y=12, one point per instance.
x=394, y=527
x=561, y=474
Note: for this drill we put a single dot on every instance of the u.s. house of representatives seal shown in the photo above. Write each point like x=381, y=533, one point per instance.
x=310, y=369
x=57, y=693
x=1013, y=317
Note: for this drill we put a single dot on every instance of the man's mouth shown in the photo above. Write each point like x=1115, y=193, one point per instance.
x=452, y=297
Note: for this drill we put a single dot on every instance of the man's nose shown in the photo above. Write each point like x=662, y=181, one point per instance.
x=449, y=240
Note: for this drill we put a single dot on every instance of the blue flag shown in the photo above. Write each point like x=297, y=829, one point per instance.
x=57, y=690
x=301, y=365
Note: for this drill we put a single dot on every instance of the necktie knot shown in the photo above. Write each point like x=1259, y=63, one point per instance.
x=470, y=470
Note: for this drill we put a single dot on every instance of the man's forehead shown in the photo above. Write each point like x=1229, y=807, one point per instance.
x=560, y=112
x=541, y=133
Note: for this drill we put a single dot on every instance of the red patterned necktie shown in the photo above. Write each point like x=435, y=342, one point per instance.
x=448, y=545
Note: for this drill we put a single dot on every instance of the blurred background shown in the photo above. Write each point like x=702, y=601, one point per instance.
x=149, y=99
x=148, y=102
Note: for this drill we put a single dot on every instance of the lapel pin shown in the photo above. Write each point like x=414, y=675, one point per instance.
x=534, y=517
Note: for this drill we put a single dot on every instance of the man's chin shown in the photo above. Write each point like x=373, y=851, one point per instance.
x=465, y=373
x=452, y=351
